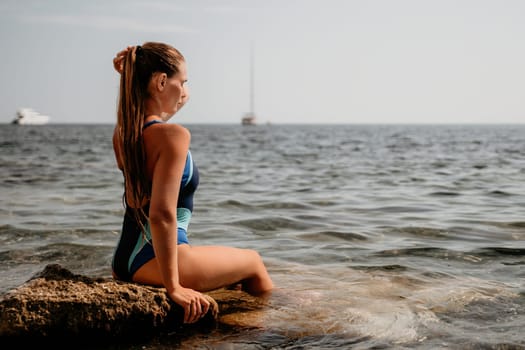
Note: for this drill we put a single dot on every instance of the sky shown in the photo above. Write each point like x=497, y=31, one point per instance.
x=314, y=61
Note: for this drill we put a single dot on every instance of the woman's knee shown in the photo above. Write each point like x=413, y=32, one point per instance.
x=254, y=257
x=257, y=263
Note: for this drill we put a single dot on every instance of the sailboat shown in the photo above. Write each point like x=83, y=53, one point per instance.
x=249, y=118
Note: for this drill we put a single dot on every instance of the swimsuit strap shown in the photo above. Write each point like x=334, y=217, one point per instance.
x=151, y=122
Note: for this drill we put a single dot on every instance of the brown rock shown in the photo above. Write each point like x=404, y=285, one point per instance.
x=57, y=304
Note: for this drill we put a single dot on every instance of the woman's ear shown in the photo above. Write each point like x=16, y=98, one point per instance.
x=161, y=79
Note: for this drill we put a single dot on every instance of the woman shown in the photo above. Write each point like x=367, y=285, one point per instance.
x=160, y=179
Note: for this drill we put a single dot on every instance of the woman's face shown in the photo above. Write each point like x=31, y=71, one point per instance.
x=175, y=93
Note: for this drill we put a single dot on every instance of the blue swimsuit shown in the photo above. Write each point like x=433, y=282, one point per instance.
x=135, y=247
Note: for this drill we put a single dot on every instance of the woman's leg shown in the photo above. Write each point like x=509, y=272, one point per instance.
x=206, y=268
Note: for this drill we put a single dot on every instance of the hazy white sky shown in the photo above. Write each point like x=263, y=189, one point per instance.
x=316, y=61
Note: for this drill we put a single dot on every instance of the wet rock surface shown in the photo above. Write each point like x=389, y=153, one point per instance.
x=57, y=304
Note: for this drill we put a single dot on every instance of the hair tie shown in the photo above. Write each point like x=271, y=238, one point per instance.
x=138, y=50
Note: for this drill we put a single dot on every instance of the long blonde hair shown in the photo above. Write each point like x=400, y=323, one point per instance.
x=139, y=65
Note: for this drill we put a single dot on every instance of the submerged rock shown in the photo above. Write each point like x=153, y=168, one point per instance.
x=57, y=304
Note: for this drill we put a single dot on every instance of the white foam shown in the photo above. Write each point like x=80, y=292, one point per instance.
x=382, y=305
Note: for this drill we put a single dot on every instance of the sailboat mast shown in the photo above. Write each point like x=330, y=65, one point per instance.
x=249, y=118
x=252, y=86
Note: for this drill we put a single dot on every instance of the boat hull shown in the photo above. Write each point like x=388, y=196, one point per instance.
x=27, y=116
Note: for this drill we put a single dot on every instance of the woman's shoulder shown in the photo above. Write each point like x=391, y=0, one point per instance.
x=178, y=128
x=167, y=133
x=167, y=129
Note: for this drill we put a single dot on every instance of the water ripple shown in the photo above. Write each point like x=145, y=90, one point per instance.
x=385, y=236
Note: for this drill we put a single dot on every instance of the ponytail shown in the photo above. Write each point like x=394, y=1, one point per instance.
x=140, y=63
x=130, y=121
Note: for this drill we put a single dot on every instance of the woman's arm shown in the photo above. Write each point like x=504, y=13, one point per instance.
x=170, y=147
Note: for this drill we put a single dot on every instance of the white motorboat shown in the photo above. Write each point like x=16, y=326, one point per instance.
x=28, y=116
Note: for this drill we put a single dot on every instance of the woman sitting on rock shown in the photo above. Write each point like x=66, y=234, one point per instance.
x=160, y=179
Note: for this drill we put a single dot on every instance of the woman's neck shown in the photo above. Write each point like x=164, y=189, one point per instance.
x=152, y=109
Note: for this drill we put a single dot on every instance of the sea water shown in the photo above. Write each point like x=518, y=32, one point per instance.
x=376, y=236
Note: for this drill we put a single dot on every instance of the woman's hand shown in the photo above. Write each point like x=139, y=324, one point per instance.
x=195, y=304
x=118, y=61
